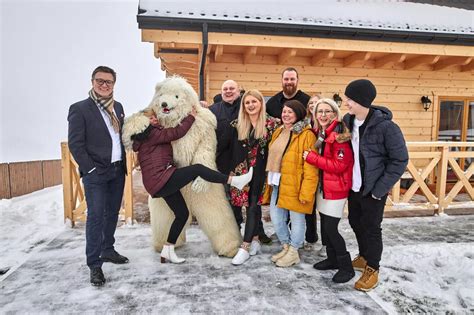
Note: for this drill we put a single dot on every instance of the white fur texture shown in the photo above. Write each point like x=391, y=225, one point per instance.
x=133, y=125
x=206, y=201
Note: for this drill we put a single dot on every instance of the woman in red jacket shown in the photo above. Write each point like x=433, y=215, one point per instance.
x=162, y=178
x=334, y=158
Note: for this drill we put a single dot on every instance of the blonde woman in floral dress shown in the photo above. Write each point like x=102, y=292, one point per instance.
x=249, y=146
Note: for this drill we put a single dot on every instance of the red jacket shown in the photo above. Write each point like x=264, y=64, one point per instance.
x=155, y=154
x=336, y=163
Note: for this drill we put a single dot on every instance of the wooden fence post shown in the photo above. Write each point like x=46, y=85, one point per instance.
x=442, y=179
x=67, y=183
x=128, y=193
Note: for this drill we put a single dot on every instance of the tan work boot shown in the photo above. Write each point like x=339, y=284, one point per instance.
x=280, y=254
x=291, y=258
x=368, y=280
x=359, y=263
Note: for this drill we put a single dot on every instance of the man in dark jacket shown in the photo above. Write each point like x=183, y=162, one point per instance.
x=289, y=83
x=94, y=135
x=226, y=110
x=380, y=158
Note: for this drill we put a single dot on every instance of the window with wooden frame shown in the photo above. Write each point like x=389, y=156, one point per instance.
x=456, y=122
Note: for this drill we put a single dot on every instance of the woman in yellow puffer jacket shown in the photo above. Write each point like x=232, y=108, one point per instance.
x=291, y=183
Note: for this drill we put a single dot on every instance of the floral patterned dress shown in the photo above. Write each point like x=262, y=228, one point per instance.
x=253, y=153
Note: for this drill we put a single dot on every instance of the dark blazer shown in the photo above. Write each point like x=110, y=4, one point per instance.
x=89, y=139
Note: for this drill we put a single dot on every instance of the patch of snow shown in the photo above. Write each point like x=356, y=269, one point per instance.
x=29, y=221
x=378, y=14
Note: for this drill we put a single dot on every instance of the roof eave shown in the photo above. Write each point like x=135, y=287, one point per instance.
x=284, y=29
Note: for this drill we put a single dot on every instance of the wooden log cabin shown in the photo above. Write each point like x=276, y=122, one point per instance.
x=418, y=53
x=409, y=50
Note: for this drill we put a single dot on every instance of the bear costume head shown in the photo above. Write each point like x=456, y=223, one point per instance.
x=173, y=100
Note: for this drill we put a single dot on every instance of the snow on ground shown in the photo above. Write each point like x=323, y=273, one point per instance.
x=27, y=222
x=427, y=266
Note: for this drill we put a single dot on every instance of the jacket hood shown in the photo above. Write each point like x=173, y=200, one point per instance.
x=379, y=114
x=338, y=131
x=386, y=113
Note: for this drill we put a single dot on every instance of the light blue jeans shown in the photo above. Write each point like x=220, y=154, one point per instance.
x=279, y=216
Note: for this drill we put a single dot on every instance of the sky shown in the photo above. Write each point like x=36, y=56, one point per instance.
x=426, y=267
x=48, y=52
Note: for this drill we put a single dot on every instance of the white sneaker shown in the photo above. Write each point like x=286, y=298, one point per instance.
x=241, y=257
x=255, y=248
x=322, y=251
x=240, y=181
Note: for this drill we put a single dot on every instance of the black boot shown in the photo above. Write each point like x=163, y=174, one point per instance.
x=97, y=277
x=114, y=258
x=346, y=271
x=328, y=263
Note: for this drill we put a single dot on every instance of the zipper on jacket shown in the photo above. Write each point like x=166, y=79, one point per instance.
x=284, y=151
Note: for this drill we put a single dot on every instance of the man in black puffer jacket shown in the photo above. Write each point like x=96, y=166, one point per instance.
x=380, y=158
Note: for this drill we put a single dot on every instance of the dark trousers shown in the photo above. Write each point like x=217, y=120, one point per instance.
x=104, y=197
x=237, y=210
x=365, y=218
x=311, y=235
x=253, y=219
x=172, y=196
x=330, y=232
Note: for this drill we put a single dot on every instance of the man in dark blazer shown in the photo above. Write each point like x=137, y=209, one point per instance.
x=94, y=137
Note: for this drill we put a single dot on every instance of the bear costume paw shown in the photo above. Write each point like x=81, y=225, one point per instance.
x=200, y=185
x=134, y=125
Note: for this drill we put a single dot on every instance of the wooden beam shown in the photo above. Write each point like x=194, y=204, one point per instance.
x=218, y=53
x=360, y=56
x=322, y=55
x=156, y=50
x=422, y=60
x=176, y=57
x=395, y=58
x=285, y=55
x=209, y=48
x=468, y=67
x=168, y=36
x=249, y=52
x=452, y=61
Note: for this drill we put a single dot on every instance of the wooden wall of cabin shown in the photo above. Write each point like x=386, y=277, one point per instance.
x=399, y=90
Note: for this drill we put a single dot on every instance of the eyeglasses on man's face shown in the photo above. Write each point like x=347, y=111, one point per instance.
x=324, y=112
x=102, y=82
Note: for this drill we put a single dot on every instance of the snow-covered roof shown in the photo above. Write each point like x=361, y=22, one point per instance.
x=374, y=15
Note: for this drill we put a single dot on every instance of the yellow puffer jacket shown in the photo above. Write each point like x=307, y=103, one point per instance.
x=299, y=179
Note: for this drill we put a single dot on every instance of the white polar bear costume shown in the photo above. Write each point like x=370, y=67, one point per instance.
x=172, y=102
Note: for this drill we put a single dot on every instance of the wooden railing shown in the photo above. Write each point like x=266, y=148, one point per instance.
x=441, y=157
x=73, y=191
x=21, y=178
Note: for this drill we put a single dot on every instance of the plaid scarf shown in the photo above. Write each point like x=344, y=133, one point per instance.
x=107, y=104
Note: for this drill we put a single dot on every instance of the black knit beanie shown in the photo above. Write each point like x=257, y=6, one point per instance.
x=361, y=91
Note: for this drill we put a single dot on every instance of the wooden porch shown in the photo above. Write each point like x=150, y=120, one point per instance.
x=438, y=159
